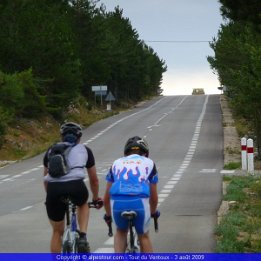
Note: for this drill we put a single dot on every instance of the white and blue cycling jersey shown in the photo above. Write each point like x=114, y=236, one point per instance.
x=131, y=176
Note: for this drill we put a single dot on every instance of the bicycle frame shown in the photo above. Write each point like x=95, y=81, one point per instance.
x=132, y=243
x=132, y=240
x=71, y=233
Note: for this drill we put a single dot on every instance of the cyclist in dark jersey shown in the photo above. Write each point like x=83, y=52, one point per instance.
x=73, y=185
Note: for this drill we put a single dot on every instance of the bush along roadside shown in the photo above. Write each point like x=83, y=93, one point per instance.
x=239, y=231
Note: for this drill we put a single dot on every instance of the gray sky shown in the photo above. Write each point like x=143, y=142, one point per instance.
x=177, y=20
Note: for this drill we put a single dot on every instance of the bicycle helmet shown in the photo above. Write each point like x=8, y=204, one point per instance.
x=135, y=143
x=71, y=128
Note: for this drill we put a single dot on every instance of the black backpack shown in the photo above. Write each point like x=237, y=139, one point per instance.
x=57, y=164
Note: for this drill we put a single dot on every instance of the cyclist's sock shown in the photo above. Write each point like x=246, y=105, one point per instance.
x=82, y=235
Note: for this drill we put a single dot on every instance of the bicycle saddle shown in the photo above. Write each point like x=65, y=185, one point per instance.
x=129, y=214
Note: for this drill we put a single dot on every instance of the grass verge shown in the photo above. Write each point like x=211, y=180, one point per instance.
x=240, y=229
x=26, y=138
x=232, y=165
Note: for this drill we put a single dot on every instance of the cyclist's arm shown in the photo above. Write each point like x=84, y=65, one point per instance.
x=106, y=199
x=45, y=172
x=45, y=182
x=94, y=182
x=93, y=178
x=153, y=198
x=153, y=178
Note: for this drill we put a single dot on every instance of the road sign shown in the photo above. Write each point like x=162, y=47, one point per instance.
x=110, y=97
x=100, y=90
x=97, y=88
x=100, y=93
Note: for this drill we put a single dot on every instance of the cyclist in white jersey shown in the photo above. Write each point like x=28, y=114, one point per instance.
x=72, y=184
x=132, y=186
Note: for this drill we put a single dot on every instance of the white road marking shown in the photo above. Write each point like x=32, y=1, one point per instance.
x=12, y=178
x=175, y=178
x=26, y=172
x=4, y=176
x=225, y=171
x=163, y=195
x=17, y=176
x=26, y=208
x=160, y=200
x=186, y=162
x=168, y=187
x=165, y=190
x=172, y=182
x=8, y=179
x=208, y=171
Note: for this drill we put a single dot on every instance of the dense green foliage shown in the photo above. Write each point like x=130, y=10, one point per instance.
x=237, y=60
x=53, y=51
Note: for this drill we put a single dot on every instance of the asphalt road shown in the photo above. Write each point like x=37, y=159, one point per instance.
x=186, y=142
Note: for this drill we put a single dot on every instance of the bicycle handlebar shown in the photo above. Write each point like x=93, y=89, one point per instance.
x=91, y=205
x=110, y=233
x=156, y=225
x=155, y=217
x=94, y=204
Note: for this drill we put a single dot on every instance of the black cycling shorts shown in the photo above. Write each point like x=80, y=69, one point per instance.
x=75, y=189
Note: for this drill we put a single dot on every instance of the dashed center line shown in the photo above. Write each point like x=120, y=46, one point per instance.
x=187, y=160
x=119, y=121
x=161, y=195
x=9, y=177
x=166, y=190
x=168, y=187
x=26, y=208
x=172, y=182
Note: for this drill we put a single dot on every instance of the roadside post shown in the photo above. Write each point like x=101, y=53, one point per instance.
x=250, y=156
x=244, y=153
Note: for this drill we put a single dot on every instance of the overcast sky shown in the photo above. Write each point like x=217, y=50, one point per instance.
x=187, y=25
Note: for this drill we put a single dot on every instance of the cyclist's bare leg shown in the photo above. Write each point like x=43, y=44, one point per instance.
x=145, y=243
x=83, y=217
x=120, y=241
x=56, y=239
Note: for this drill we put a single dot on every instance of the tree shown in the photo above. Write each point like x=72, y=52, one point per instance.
x=242, y=11
x=38, y=35
x=70, y=45
x=238, y=61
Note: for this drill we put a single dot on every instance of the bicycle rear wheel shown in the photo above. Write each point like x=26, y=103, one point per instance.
x=132, y=243
x=67, y=247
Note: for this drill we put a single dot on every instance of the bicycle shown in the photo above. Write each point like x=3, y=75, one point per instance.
x=71, y=233
x=132, y=242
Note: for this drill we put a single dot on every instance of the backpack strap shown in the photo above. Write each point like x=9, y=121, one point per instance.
x=66, y=153
x=78, y=167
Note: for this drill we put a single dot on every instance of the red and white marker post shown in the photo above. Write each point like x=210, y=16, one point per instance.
x=250, y=156
x=244, y=153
